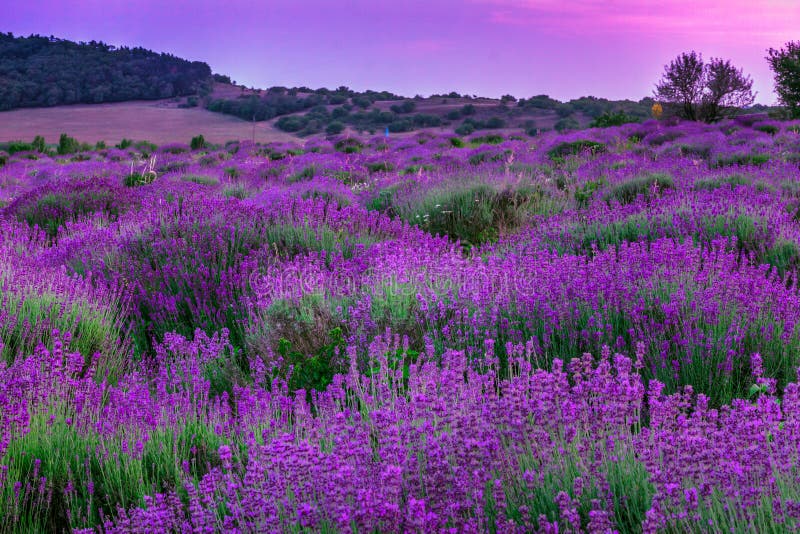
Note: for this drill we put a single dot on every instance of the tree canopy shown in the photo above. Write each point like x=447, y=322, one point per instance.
x=39, y=71
x=785, y=63
x=696, y=90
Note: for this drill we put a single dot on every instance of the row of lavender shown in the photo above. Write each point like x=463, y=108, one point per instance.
x=430, y=299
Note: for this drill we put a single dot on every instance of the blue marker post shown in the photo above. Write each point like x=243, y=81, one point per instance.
x=386, y=132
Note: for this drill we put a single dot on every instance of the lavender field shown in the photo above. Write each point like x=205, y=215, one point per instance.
x=590, y=332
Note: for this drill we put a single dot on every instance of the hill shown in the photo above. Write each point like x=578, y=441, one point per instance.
x=39, y=71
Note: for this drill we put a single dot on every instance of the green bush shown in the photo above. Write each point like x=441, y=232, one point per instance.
x=334, y=128
x=39, y=144
x=349, y=145
x=465, y=129
x=19, y=146
x=768, y=128
x=731, y=180
x=232, y=172
x=200, y=179
x=608, y=119
x=125, y=143
x=627, y=192
x=571, y=148
x=3, y=158
x=381, y=166
x=567, y=123
x=457, y=142
x=727, y=160
x=67, y=145
x=198, y=142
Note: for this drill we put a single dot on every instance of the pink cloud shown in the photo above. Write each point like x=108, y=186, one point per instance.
x=773, y=20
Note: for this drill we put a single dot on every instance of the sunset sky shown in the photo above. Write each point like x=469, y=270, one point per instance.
x=564, y=48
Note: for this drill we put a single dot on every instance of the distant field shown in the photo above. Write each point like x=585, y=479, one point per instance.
x=157, y=121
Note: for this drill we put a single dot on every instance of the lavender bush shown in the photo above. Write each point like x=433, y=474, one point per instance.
x=590, y=332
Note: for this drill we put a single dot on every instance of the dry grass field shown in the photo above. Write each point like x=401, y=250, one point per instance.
x=157, y=121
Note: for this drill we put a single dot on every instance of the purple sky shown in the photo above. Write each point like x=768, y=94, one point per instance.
x=564, y=48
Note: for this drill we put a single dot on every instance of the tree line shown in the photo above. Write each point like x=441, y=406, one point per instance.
x=39, y=71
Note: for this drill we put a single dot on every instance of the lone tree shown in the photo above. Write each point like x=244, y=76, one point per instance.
x=704, y=91
x=785, y=63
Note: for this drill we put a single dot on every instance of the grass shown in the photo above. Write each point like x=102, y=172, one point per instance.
x=201, y=179
x=471, y=214
x=51, y=208
x=645, y=185
x=573, y=148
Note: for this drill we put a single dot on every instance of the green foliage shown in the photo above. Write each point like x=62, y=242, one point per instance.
x=380, y=166
x=19, y=146
x=306, y=174
x=101, y=476
x=125, y=143
x=200, y=179
x=334, y=128
x=198, y=142
x=768, y=128
x=571, y=148
x=491, y=139
x=232, y=172
x=785, y=64
x=465, y=129
x=457, y=142
x=314, y=372
x=584, y=194
x=50, y=211
x=567, y=123
x=645, y=185
x=39, y=144
x=471, y=214
x=349, y=145
x=3, y=158
x=609, y=119
x=136, y=179
x=36, y=315
x=740, y=158
x=731, y=180
x=239, y=190
x=45, y=71
x=67, y=145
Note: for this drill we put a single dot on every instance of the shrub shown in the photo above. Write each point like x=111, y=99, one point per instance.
x=198, y=142
x=19, y=146
x=334, y=128
x=200, y=179
x=3, y=158
x=644, y=185
x=349, y=145
x=457, y=142
x=492, y=139
x=567, y=123
x=768, y=128
x=239, y=190
x=380, y=166
x=571, y=148
x=39, y=144
x=52, y=206
x=495, y=122
x=609, y=119
x=125, y=143
x=67, y=145
x=731, y=180
x=232, y=172
x=465, y=129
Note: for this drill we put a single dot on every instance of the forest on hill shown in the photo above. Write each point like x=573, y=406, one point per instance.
x=38, y=71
